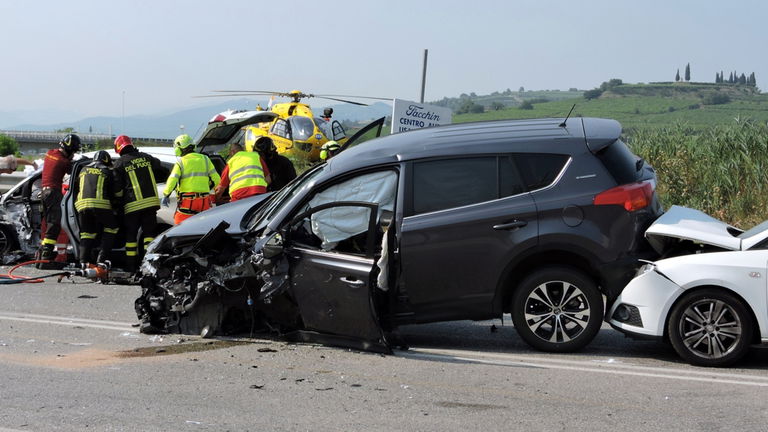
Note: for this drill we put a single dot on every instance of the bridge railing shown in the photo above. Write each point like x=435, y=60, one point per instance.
x=36, y=136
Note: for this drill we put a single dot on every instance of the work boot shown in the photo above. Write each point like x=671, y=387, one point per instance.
x=47, y=253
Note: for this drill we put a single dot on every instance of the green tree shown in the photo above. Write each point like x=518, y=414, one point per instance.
x=592, y=94
x=526, y=105
x=476, y=108
x=497, y=106
x=687, y=72
x=66, y=130
x=8, y=145
x=677, y=76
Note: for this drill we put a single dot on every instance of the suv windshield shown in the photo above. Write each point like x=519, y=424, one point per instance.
x=275, y=203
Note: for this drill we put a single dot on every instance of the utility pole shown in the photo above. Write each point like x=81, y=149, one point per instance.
x=424, y=76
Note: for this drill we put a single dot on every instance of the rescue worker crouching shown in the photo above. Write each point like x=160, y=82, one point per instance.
x=58, y=162
x=245, y=175
x=192, y=177
x=135, y=174
x=281, y=169
x=95, y=193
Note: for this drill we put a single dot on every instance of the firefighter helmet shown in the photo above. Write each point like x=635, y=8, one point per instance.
x=70, y=144
x=264, y=145
x=181, y=143
x=103, y=157
x=121, y=143
x=329, y=149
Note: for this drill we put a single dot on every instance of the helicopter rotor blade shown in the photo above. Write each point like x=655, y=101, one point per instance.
x=343, y=100
x=229, y=95
x=355, y=97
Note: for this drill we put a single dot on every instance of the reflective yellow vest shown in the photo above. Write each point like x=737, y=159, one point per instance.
x=193, y=173
x=245, y=170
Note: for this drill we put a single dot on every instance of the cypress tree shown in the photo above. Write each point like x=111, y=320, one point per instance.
x=688, y=72
x=677, y=76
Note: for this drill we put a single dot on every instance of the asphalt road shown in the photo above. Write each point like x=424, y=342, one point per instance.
x=72, y=361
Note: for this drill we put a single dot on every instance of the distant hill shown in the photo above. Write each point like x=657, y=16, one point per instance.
x=695, y=105
x=193, y=119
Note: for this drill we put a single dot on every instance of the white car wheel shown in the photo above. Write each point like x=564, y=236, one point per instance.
x=710, y=327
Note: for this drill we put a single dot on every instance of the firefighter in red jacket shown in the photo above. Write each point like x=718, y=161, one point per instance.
x=58, y=162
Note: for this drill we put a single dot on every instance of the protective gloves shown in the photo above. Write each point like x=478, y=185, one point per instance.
x=165, y=201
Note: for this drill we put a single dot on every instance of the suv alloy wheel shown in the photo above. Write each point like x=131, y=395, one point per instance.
x=557, y=309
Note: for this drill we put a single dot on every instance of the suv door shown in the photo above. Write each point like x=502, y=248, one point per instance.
x=334, y=288
x=463, y=221
x=333, y=247
x=70, y=223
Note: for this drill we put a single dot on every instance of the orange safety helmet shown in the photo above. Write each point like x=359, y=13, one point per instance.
x=122, y=142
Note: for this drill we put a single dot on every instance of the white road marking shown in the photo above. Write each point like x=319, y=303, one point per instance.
x=502, y=359
x=68, y=321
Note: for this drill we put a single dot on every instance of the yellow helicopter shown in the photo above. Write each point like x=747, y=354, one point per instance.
x=296, y=131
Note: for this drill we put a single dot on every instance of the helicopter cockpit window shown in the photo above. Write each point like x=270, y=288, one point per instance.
x=302, y=127
x=280, y=128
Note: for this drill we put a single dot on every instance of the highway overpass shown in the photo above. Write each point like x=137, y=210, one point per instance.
x=33, y=142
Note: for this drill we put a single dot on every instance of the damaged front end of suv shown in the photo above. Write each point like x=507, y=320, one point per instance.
x=217, y=284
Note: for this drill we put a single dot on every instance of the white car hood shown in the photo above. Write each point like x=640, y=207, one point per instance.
x=688, y=224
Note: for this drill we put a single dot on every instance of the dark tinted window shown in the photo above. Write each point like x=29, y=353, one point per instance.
x=620, y=162
x=510, y=180
x=444, y=184
x=540, y=170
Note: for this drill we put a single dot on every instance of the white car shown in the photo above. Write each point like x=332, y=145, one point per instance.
x=709, y=299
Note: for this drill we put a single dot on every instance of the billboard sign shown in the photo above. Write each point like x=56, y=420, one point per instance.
x=407, y=115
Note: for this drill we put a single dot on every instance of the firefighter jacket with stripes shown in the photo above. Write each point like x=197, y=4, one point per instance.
x=193, y=173
x=95, y=187
x=135, y=174
x=245, y=170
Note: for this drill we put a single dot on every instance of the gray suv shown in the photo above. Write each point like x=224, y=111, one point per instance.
x=537, y=218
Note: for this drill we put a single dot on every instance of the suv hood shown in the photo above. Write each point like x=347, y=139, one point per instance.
x=682, y=223
x=231, y=213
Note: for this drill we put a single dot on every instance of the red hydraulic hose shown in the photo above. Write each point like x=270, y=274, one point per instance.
x=11, y=276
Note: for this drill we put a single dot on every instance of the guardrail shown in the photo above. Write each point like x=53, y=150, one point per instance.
x=54, y=137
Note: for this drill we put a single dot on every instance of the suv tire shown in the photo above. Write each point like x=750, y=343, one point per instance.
x=557, y=309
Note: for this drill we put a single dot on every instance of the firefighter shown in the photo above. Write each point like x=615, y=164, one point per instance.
x=95, y=193
x=135, y=174
x=245, y=175
x=192, y=177
x=58, y=162
x=281, y=170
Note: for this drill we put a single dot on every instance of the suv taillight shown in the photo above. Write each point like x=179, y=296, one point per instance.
x=633, y=196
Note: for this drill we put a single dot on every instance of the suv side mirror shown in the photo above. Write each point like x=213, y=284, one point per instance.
x=273, y=247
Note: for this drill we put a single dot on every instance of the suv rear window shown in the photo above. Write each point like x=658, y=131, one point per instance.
x=450, y=183
x=619, y=160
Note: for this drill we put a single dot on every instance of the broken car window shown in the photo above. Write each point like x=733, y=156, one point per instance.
x=336, y=224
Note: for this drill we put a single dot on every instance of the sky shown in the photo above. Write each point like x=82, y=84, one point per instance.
x=80, y=58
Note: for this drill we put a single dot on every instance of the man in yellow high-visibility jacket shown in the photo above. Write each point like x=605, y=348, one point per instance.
x=192, y=177
x=245, y=175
